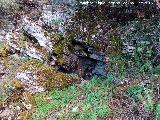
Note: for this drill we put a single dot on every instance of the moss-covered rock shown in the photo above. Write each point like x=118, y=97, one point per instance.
x=4, y=50
x=45, y=75
x=17, y=84
x=19, y=101
x=29, y=99
x=61, y=47
x=25, y=115
x=115, y=45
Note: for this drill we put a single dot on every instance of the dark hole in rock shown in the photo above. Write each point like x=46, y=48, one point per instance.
x=86, y=66
x=63, y=68
x=85, y=61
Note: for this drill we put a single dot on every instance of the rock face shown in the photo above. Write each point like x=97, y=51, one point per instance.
x=77, y=57
x=90, y=61
x=82, y=59
x=56, y=14
x=29, y=79
x=54, y=20
x=65, y=47
x=90, y=39
x=38, y=77
x=36, y=33
x=133, y=37
x=38, y=43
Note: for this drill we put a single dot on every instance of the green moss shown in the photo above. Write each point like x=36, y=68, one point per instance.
x=17, y=84
x=44, y=52
x=25, y=115
x=58, y=80
x=22, y=37
x=61, y=47
x=115, y=45
x=48, y=77
x=96, y=45
x=60, y=44
x=4, y=51
x=29, y=65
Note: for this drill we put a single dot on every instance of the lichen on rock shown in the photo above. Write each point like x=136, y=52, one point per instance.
x=35, y=73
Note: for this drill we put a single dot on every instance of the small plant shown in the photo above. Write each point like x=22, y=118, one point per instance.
x=148, y=100
x=158, y=112
x=144, y=95
x=135, y=91
x=117, y=65
x=142, y=59
x=156, y=70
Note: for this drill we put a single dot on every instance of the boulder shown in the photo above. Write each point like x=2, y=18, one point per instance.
x=55, y=16
x=40, y=77
x=36, y=34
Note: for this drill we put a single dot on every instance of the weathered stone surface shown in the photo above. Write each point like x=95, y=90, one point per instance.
x=36, y=33
x=39, y=77
x=83, y=60
x=29, y=78
x=100, y=69
x=3, y=70
x=56, y=19
x=32, y=86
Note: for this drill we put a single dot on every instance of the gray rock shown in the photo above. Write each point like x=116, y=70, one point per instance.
x=97, y=56
x=36, y=32
x=100, y=69
x=56, y=15
x=33, y=53
x=29, y=79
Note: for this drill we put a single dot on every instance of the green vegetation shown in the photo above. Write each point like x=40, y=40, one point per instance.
x=135, y=91
x=84, y=101
x=60, y=47
x=148, y=100
x=158, y=111
x=128, y=48
x=156, y=70
x=91, y=99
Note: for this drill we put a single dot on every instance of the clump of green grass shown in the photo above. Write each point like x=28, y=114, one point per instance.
x=144, y=95
x=135, y=92
x=158, y=111
x=84, y=101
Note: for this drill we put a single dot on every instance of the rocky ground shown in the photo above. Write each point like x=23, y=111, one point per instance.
x=45, y=47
